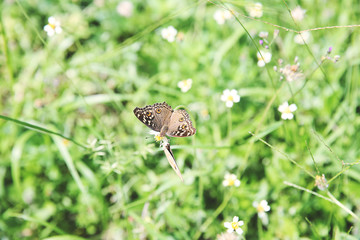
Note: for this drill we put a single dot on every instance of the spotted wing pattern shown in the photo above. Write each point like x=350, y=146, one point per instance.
x=154, y=116
x=180, y=125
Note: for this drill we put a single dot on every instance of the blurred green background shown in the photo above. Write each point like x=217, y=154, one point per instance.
x=104, y=177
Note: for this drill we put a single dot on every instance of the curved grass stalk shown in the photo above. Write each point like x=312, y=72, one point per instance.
x=330, y=199
x=40, y=129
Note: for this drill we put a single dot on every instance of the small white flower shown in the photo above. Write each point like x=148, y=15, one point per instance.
x=185, y=85
x=286, y=110
x=169, y=33
x=53, y=27
x=108, y=167
x=229, y=97
x=157, y=136
x=321, y=182
x=231, y=180
x=298, y=13
x=227, y=236
x=221, y=16
x=264, y=58
x=261, y=207
x=263, y=34
x=291, y=72
x=305, y=35
x=255, y=10
x=234, y=225
x=125, y=8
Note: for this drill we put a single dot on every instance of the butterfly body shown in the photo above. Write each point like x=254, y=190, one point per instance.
x=162, y=118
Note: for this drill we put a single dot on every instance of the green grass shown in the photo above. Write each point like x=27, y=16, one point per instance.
x=77, y=164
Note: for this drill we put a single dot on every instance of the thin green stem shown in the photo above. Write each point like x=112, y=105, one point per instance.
x=40, y=129
x=260, y=228
x=268, y=106
x=229, y=126
x=6, y=51
x=307, y=190
x=312, y=157
x=38, y=221
x=284, y=154
x=221, y=207
x=342, y=206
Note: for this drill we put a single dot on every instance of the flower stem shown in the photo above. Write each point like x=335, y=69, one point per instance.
x=229, y=125
x=221, y=207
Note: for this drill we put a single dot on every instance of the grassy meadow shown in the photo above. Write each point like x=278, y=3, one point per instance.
x=272, y=88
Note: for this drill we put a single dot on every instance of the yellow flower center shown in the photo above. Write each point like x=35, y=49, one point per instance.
x=52, y=25
x=260, y=208
x=158, y=138
x=231, y=182
x=65, y=142
x=234, y=225
x=230, y=98
x=287, y=110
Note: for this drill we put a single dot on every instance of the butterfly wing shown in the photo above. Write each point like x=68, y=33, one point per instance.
x=170, y=157
x=180, y=125
x=154, y=116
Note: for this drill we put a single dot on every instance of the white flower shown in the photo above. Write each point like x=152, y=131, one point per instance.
x=255, y=10
x=305, y=35
x=157, y=136
x=264, y=58
x=263, y=34
x=261, y=207
x=298, y=13
x=286, y=110
x=53, y=27
x=230, y=96
x=221, y=16
x=230, y=180
x=185, y=85
x=169, y=33
x=227, y=236
x=321, y=182
x=291, y=72
x=234, y=225
x=125, y=8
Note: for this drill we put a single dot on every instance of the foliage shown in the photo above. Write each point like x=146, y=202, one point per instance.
x=77, y=164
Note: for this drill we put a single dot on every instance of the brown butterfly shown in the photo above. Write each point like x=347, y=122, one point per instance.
x=162, y=118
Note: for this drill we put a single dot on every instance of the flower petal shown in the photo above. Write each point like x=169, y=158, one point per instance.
x=236, y=219
x=229, y=104
x=290, y=116
x=292, y=107
x=261, y=63
x=227, y=224
x=236, y=98
x=230, y=230
x=239, y=231
x=233, y=92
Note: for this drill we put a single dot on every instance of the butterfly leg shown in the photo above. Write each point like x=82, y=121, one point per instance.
x=164, y=130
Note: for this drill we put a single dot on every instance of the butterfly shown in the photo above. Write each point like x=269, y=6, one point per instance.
x=162, y=118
